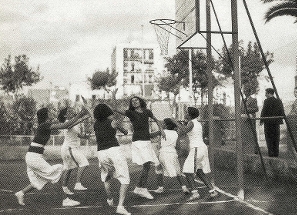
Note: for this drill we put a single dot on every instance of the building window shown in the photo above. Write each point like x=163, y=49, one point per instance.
x=151, y=54
x=132, y=66
x=125, y=53
x=77, y=98
x=132, y=79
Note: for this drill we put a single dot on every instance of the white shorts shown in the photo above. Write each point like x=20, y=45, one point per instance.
x=41, y=172
x=73, y=157
x=200, y=161
x=143, y=152
x=170, y=164
x=113, y=164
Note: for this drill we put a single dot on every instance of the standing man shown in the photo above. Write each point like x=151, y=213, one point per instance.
x=250, y=108
x=272, y=107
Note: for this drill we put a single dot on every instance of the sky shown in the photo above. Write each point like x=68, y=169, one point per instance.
x=71, y=39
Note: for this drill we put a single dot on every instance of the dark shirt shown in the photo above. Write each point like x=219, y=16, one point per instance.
x=43, y=133
x=140, y=123
x=272, y=107
x=105, y=135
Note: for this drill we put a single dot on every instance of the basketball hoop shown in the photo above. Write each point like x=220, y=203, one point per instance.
x=163, y=29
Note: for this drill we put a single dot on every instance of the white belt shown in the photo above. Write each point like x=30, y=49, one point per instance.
x=36, y=144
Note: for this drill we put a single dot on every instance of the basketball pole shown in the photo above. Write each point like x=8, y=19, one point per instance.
x=210, y=87
x=190, y=77
x=239, y=151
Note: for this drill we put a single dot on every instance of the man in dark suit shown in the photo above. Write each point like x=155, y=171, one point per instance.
x=250, y=108
x=272, y=107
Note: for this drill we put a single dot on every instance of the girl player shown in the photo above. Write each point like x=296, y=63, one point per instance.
x=39, y=171
x=197, y=161
x=142, y=150
x=168, y=157
x=111, y=161
x=71, y=155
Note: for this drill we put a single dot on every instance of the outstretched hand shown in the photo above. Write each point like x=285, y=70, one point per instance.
x=163, y=135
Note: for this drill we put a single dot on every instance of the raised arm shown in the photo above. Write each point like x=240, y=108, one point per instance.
x=70, y=122
x=183, y=129
x=119, y=111
x=155, y=134
x=160, y=126
x=118, y=126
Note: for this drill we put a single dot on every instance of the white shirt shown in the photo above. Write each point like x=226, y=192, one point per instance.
x=71, y=137
x=195, y=135
x=169, y=144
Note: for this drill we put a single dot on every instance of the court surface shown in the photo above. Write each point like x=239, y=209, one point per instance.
x=261, y=197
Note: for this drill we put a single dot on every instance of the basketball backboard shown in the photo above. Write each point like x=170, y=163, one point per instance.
x=187, y=15
x=191, y=22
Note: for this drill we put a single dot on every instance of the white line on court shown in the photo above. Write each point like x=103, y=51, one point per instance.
x=183, y=203
x=78, y=207
x=12, y=210
x=7, y=191
x=244, y=202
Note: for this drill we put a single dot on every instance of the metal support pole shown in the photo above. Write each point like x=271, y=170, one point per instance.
x=190, y=77
x=237, y=84
x=210, y=87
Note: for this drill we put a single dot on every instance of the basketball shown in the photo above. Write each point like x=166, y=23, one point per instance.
x=99, y=79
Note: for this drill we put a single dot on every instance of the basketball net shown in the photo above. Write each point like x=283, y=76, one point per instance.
x=163, y=34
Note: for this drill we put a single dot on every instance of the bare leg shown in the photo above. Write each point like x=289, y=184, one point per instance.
x=80, y=171
x=21, y=193
x=123, y=191
x=107, y=189
x=66, y=177
x=160, y=180
x=144, y=174
x=205, y=178
x=190, y=180
x=120, y=207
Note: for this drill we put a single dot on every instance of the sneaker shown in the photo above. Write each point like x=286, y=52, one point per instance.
x=122, y=210
x=159, y=190
x=67, y=191
x=194, y=196
x=20, y=197
x=143, y=192
x=198, y=181
x=185, y=190
x=78, y=186
x=137, y=190
x=110, y=202
x=69, y=202
x=213, y=193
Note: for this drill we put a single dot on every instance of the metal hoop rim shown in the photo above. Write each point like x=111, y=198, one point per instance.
x=164, y=21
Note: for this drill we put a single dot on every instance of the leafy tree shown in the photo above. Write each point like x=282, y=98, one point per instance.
x=178, y=65
x=170, y=84
x=13, y=76
x=252, y=64
x=281, y=8
x=104, y=80
x=24, y=109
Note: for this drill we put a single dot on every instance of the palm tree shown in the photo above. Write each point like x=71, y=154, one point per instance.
x=282, y=8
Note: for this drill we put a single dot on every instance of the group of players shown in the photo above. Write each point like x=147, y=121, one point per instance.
x=112, y=162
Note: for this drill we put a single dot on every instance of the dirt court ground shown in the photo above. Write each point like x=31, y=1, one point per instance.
x=261, y=196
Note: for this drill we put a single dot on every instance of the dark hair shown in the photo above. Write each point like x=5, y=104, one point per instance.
x=102, y=111
x=141, y=101
x=193, y=112
x=42, y=115
x=62, y=115
x=170, y=125
x=270, y=91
